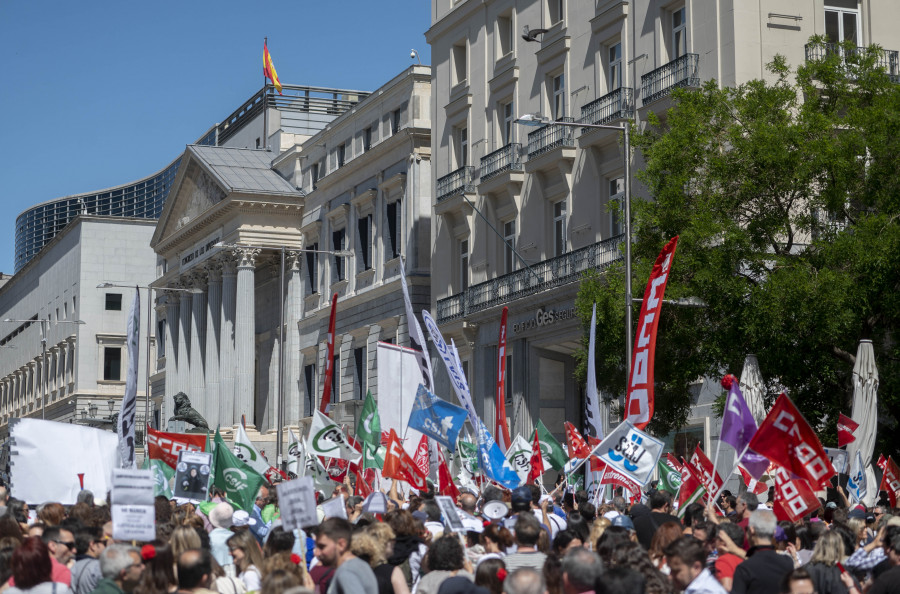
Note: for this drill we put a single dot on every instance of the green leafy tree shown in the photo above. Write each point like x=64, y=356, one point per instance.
x=785, y=196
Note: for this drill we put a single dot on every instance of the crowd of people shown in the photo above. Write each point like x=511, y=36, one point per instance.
x=524, y=541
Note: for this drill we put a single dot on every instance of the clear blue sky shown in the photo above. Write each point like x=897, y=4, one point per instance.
x=96, y=94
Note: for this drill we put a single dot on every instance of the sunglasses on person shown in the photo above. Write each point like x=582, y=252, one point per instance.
x=71, y=545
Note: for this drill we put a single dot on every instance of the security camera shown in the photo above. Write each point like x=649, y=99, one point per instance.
x=412, y=54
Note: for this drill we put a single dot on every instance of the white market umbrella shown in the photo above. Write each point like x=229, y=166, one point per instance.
x=754, y=388
x=865, y=412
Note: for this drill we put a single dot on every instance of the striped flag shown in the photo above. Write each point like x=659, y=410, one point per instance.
x=269, y=67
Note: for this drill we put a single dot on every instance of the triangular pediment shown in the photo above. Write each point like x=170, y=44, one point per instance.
x=194, y=192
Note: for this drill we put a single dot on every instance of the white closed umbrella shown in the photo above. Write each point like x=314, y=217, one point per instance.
x=865, y=412
x=754, y=388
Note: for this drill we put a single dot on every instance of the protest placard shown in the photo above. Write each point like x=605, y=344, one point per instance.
x=448, y=510
x=297, y=501
x=133, y=510
x=192, y=475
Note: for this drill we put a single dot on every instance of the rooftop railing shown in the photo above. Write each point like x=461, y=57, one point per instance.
x=548, y=274
x=503, y=159
x=683, y=71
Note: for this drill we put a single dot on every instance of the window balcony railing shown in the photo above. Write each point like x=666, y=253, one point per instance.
x=618, y=105
x=456, y=182
x=502, y=159
x=548, y=274
x=550, y=137
x=680, y=72
x=889, y=60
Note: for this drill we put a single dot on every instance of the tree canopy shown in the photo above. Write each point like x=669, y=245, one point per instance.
x=785, y=194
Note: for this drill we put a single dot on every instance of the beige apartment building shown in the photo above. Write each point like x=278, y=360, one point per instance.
x=553, y=192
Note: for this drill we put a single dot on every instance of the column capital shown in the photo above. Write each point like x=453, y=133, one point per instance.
x=227, y=263
x=293, y=261
x=196, y=278
x=214, y=271
x=246, y=256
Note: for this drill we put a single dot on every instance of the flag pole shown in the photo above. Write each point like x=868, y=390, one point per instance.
x=265, y=142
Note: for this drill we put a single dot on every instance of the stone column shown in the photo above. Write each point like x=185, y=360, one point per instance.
x=292, y=377
x=245, y=335
x=197, y=384
x=226, y=342
x=213, y=324
x=184, y=341
x=171, y=302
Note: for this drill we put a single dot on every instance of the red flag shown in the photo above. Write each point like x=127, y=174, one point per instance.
x=672, y=462
x=502, y=429
x=398, y=465
x=689, y=486
x=336, y=468
x=445, y=479
x=846, y=427
x=611, y=476
x=702, y=469
x=165, y=446
x=578, y=448
x=363, y=489
x=639, y=404
x=757, y=487
x=269, y=67
x=786, y=439
x=890, y=480
x=421, y=457
x=537, y=460
x=794, y=498
x=596, y=463
x=329, y=360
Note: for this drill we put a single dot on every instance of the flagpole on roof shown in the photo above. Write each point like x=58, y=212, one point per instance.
x=265, y=106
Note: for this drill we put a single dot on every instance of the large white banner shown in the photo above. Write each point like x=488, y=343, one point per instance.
x=399, y=376
x=631, y=451
x=46, y=459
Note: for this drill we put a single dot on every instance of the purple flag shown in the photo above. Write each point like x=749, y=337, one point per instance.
x=738, y=428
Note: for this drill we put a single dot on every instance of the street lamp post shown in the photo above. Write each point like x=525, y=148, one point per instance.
x=532, y=119
x=279, y=408
x=45, y=379
x=149, y=289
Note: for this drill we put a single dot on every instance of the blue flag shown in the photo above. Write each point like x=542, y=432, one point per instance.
x=436, y=418
x=492, y=461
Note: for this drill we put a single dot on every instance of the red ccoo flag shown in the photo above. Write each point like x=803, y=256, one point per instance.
x=846, y=427
x=578, y=448
x=325, y=406
x=537, y=460
x=502, y=430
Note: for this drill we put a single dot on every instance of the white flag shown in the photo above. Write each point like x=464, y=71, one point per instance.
x=856, y=481
x=594, y=421
x=519, y=456
x=125, y=427
x=326, y=439
x=294, y=454
x=247, y=452
x=631, y=452
x=454, y=368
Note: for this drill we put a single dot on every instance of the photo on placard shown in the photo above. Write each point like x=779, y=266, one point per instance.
x=192, y=475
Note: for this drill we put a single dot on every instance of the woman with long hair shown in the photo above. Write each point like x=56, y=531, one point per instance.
x=490, y=574
x=389, y=577
x=159, y=569
x=184, y=539
x=409, y=548
x=31, y=570
x=496, y=539
x=823, y=565
x=665, y=535
x=632, y=556
x=51, y=514
x=248, y=559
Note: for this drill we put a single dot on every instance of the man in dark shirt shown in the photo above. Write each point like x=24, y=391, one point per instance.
x=645, y=526
x=764, y=569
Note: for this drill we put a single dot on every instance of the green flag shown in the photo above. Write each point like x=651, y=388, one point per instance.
x=669, y=479
x=162, y=477
x=551, y=450
x=238, y=480
x=468, y=453
x=373, y=457
x=368, y=430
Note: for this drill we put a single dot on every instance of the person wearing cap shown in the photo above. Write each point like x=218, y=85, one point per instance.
x=764, y=568
x=527, y=533
x=221, y=517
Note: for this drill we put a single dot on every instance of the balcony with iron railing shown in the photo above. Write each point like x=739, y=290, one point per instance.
x=551, y=273
x=502, y=160
x=888, y=60
x=550, y=137
x=683, y=71
x=618, y=105
x=461, y=181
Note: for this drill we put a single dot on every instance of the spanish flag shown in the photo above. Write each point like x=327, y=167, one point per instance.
x=269, y=68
